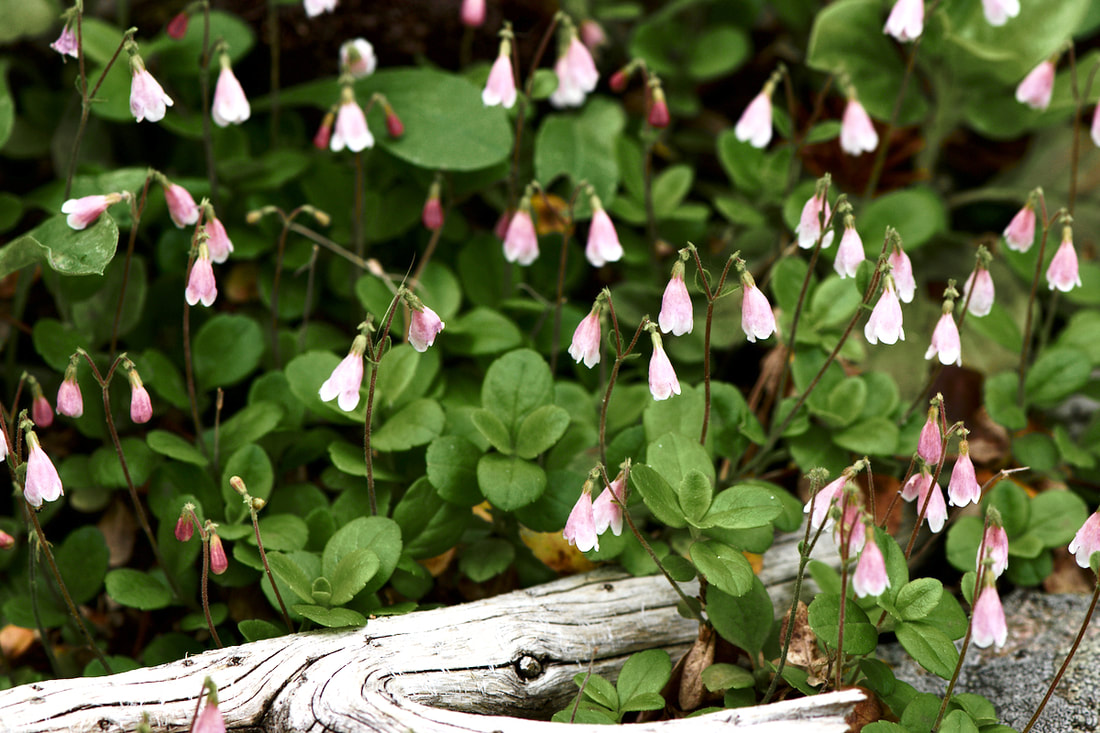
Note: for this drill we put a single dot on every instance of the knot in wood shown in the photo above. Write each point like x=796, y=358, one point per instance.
x=528, y=668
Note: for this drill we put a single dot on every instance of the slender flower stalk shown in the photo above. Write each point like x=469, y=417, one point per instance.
x=254, y=504
x=1026, y=343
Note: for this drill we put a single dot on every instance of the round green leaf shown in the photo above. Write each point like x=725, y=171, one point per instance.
x=175, y=447
x=724, y=567
x=136, y=589
x=509, y=482
x=227, y=349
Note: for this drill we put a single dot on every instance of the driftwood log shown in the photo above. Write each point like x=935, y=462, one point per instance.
x=492, y=665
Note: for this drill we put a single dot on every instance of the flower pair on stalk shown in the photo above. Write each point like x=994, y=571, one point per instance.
x=70, y=401
x=589, y=519
x=521, y=242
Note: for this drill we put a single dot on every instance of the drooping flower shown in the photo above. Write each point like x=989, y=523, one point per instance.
x=181, y=205
x=815, y=213
x=6, y=540
x=755, y=124
x=885, y=323
x=70, y=402
x=849, y=253
x=351, y=129
x=677, y=316
x=577, y=74
x=1037, y=87
x=219, y=563
x=41, y=412
x=1020, y=232
x=870, y=578
x=141, y=407
x=357, y=57
x=210, y=720
x=930, y=443
x=323, y=135
x=997, y=12
x=1086, y=541
x=85, y=210
x=945, y=341
x=994, y=546
x=425, y=325
x=580, y=528
x=981, y=300
x=185, y=527
x=606, y=512
x=3, y=443
x=346, y=378
x=857, y=133
x=1063, y=273
x=230, y=104
x=658, y=116
x=603, y=241
x=936, y=513
x=521, y=244
x=42, y=482
x=218, y=242
x=906, y=20
x=473, y=13
x=177, y=27
x=1094, y=130
x=823, y=501
x=963, y=488
x=201, y=286
x=850, y=533
x=901, y=268
x=147, y=98
x=662, y=377
x=431, y=216
x=917, y=485
x=316, y=7
x=757, y=319
x=500, y=87
x=66, y=44
x=394, y=126
x=988, y=624
x=586, y=339
x=592, y=34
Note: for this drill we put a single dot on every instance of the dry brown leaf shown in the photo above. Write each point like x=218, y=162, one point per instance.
x=120, y=531
x=804, y=651
x=555, y=551
x=15, y=641
x=701, y=655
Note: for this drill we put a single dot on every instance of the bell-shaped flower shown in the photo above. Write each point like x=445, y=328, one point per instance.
x=586, y=339
x=901, y=269
x=849, y=253
x=906, y=20
x=577, y=74
x=988, y=623
x=963, y=488
x=1094, y=130
x=181, y=205
x=147, y=98
x=85, y=210
x=42, y=481
x=994, y=546
x=870, y=577
x=997, y=12
x=757, y=318
x=658, y=115
x=351, y=129
x=821, y=502
x=500, y=87
x=1037, y=87
x=677, y=316
x=1063, y=273
x=323, y=136
x=230, y=105
x=1020, y=232
x=930, y=443
x=916, y=485
x=218, y=242
x=473, y=13
x=66, y=44
x=755, y=124
x=431, y=216
x=201, y=286
x=41, y=412
x=606, y=512
x=603, y=241
x=425, y=324
x=177, y=27
x=141, y=407
x=857, y=133
x=1086, y=541
x=357, y=57
x=316, y=7
x=936, y=513
x=945, y=341
x=6, y=540
x=219, y=563
x=344, y=382
x=210, y=720
x=70, y=402
x=580, y=528
x=662, y=377
x=815, y=213
x=885, y=323
x=850, y=533
x=981, y=299
x=521, y=244
x=185, y=526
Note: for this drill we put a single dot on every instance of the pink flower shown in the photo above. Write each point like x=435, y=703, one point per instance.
x=185, y=528
x=69, y=400
x=885, y=322
x=586, y=340
x=424, y=327
x=917, y=485
x=83, y=211
x=1094, y=131
x=577, y=75
x=42, y=482
x=662, y=378
x=473, y=13
x=901, y=268
x=676, y=316
x=1086, y=541
x=210, y=720
x=230, y=103
x=580, y=528
x=995, y=547
x=1063, y=273
x=351, y=127
x=218, y=242
x=201, y=285
x=930, y=443
x=606, y=512
x=997, y=12
x=500, y=88
x=936, y=513
x=755, y=125
x=906, y=20
x=658, y=110
x=592, y=34
x=757, y=319
x=814, y=212
x=851, y=532
x=357, y=57
x=394, y=126
x=981, y=300
x=963, y=488
x=324, y=131
x=870, y=578
x=147, y=99
x=857, y=133
x=945, y=342
x=521, y=243
x=346, y=379
x=3, y=443
x=1036, y=88
x=181, y=206
x=1020, y=232
x=823, y=501
x=6, y=540
x=141, y=407
x=988, y=624
x=316, y=7
x=603, y=241
x=177, y=27
x=849, y=253
x=219, y=563
x=41, y=412
x=432, y=214
x=66, y=43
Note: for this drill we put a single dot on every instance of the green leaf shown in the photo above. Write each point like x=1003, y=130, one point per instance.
x=452, y=469
x=917, y=213
x=82, y=559
x=918, y=598
x=674, y=456
x=723, y=676
x=746, y=620
x=921, y=712
x=226, y=350
x=1037, y=451
x=175, y=447
x=1000, y=401
x=742, y=507
x=351, y=575
x=418, y=423
x=658, y=495
x=724, y=567
x=7, y=105
x=255, y=629
x=379, y=534
x=1012, y=502
x=516, y=384
x=486, y=559
x=846, y=400
x=482, y=331
x=1056, y=516
x=290, y=572
x=876, y=436
x=670, y=188
x=581, y=146
x=786, y=283
x=930, y=647
x=509, y=482
x=249, y=425
x=253, y=465
x=55, y=342
x=957, y=722
x=65, y=250
x=600, y=690
x=1055, y=375
x=718, y=50
x=695, y=495
x=645, y=672
x=330, y=618
x=136, y=589
x=540, y=430
x=283, y=532
x=1081, y=333
x=860, y=635
x=963, y=539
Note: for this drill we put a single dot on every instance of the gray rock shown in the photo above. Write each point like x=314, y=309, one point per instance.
x=1041, y=629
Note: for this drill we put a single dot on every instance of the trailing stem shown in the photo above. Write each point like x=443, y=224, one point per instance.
x=1025, y=348
x=620, y=355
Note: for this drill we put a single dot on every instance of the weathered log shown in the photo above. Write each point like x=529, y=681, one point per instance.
x=463, y=668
